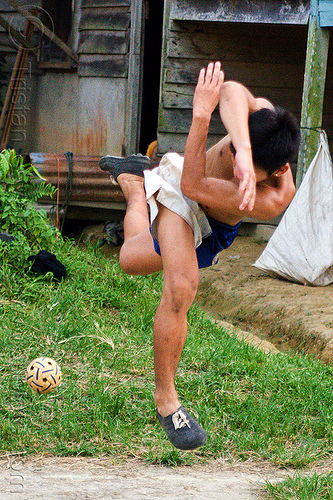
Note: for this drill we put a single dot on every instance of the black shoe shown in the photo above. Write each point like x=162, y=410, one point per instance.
x=116, y=165
x=182, y=430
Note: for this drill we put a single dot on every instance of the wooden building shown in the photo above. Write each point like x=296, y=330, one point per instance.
x=91, y=106
x=261, y=44
x=132, y=77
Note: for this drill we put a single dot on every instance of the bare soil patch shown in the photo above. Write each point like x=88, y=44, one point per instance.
x=289, y=315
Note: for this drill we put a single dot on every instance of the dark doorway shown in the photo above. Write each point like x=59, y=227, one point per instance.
x=59, y=17
x=151, y=72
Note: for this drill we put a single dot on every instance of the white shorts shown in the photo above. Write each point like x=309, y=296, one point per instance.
x=162, y=184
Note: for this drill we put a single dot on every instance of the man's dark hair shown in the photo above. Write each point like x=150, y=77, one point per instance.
x=274, y=136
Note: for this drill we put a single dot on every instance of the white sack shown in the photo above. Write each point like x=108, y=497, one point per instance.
x=301, y=248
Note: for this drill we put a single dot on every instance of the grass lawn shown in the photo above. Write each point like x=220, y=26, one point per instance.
x=97, y=324
x=314, y=487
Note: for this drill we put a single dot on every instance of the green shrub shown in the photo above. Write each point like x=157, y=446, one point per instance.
x=20, y=187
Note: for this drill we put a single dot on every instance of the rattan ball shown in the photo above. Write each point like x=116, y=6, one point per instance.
x=43, y=375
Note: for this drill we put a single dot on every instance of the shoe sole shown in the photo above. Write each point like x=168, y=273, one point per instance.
x=116, y=165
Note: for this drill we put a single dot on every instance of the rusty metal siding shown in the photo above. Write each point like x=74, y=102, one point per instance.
x=89, y=183
x=83, y=115
x=84, y=111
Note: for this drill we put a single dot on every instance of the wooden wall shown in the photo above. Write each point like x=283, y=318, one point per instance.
x=80, y=109
x=267, y=58
x=104, y=38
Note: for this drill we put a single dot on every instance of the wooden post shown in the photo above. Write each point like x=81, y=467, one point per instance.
x=164, y=57
x=134, y=79
x=313, y=91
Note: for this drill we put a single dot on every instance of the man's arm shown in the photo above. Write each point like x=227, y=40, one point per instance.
x=236, y=104
x=272, y=198
x=206, y=98
x=223, y=199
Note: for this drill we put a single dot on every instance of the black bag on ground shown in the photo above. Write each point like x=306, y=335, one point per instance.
x=45, y=262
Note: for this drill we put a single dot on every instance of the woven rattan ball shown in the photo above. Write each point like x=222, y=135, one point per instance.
x=43, y=375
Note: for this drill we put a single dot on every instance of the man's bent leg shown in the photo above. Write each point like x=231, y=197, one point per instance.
x=137, y=255
x=181, y=277
x=136, y=218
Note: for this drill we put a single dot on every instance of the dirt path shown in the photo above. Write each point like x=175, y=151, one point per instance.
x=94, y=479
x=289, y=315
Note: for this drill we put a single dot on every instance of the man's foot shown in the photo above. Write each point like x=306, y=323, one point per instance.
x=116, y=165
x=182, y=430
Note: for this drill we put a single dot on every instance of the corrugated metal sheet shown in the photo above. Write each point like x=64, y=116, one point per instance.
x=89, y=183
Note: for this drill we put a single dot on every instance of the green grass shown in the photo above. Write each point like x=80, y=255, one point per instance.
x=97, y=324
x=314, y=487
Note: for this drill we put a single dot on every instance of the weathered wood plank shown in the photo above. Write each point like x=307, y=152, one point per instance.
x=181, y=96
x=6, y=44
x=99, y=42
x=325, y=5
x=326, y=19
x=256, y=11
x=105, y=3
x=179, y=121
x=108, y=66
x=239, y=43
x=176, y=142
x=268, y=75
x=104, y=19
x=178, y=96
x=4, y=7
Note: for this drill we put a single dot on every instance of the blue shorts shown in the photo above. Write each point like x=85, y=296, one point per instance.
x=221, y=237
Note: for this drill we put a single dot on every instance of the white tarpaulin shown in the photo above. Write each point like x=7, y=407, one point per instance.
x=301, y=248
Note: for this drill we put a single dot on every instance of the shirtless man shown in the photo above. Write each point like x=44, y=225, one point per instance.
x=245, y=174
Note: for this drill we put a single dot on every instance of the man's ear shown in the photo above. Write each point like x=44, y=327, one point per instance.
x=282, y=170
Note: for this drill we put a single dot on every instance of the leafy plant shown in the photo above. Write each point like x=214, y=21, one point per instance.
x=21, y=186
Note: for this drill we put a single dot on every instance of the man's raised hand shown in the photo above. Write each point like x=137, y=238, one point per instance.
x=207, y=92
